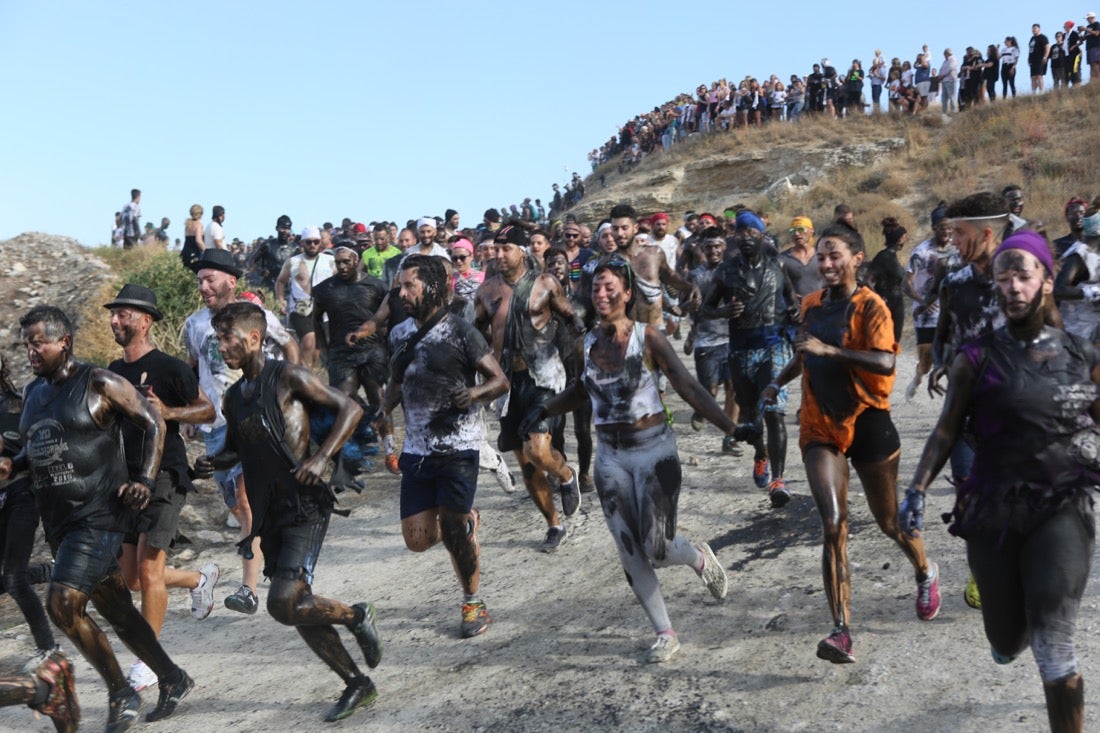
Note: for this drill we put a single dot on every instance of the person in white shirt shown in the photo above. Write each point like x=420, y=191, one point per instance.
x=301, y=272
x=949, y=82
x=215, y=234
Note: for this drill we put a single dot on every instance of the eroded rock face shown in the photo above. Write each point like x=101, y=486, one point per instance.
x=42, y=269
x=713, y=182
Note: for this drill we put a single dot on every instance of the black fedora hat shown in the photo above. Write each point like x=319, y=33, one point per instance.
x=138, y=297
x=217, y=259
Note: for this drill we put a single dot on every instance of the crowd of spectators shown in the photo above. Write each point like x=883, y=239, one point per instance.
x=906, y=87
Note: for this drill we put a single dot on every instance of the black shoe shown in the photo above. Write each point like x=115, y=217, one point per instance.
x=587, y=484
x=570, y=496
x=123, y=709
x=243, y=600
x=359, y=694
x=170, y=696
x=366, y=634
x=554, y=537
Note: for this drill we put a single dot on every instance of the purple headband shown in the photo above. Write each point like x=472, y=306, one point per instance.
x=1032, y=242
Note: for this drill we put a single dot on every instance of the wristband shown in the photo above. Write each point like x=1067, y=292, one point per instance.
x=776, y=387
x=146, y=482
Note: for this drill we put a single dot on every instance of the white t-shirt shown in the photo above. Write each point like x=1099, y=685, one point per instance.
x=214, y=236
x=669, y=244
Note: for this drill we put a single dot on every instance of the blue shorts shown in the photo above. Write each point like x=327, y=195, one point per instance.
x=712, y=365
x=84, y=557
x=226, y=480
x=754, y=369
x=291, y=549
x=444, y=480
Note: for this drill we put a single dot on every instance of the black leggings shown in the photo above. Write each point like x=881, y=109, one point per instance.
x=1031, y=587
x=1008, y=79
x=18, y=523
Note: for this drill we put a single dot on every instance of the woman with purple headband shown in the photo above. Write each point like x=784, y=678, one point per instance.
x=1025, y=511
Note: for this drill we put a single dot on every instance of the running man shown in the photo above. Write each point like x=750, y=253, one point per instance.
x=438, y=357
x=267, y=415
x=929, y=262
x=73, y=446
x=171, y=387
x=294, y=291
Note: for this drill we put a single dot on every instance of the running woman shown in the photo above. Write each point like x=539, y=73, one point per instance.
x=1025, y=510
x=637, y=468
x=846, y=353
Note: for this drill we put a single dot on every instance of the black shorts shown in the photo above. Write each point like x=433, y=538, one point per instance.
x=875, y=439
x=84, y=557
x=369, y=365
x=925, y=334
x=446, y=480
x=712, y=365
x=301, y=325
x=291, y=547
x=1039, y=69
x=160, y=520
x=524, y=397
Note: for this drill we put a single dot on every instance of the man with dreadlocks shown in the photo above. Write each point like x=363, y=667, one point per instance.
x=437, y=356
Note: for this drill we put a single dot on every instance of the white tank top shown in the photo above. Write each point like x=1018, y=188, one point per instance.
x=627, y=395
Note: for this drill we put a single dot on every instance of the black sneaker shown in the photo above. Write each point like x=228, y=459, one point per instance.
x=123, y=708
x=554, y=537
x=366, y=634
x=359, y=694
x=242, y=601
x=170, y=696
x=570, y=496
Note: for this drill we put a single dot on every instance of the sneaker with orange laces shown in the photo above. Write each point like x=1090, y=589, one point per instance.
x=391, y=464
x=475, y=619
x=760, y=473
x=60, y=705
x=779, y=493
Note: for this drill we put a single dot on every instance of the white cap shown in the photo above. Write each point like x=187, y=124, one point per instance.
x=1090, y=14
x=311, y=233
x=425, y=221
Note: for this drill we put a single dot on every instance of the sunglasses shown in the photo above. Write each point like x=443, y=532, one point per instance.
x=616, y=262
x=572, y=236
x=460, y=258
x=797, y=230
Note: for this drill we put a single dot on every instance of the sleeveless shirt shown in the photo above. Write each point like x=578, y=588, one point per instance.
x=627, y=395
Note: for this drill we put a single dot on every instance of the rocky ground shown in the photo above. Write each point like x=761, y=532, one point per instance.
x=566, y=646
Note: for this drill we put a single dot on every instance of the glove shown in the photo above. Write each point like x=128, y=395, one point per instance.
x=749, y=432
x=530, y=420
x=911, y=512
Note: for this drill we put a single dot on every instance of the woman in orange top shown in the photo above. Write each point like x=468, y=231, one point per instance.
x=845, y=353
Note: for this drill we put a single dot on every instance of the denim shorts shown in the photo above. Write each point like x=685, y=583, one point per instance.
x=226, y=480
x=83, y=557
x=712, y=365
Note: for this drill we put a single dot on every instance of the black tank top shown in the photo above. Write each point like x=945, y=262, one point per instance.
x=76, y=466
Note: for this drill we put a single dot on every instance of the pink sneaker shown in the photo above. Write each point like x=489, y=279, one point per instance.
x=837, y=647
x=928, y=594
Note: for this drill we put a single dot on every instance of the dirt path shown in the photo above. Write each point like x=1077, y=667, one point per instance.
x=565, y=648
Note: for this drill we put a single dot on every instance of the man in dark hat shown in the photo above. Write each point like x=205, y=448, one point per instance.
x=217, y=281
x=171, y=387
x=72, y=446
x=516, y=306
x=268, y=258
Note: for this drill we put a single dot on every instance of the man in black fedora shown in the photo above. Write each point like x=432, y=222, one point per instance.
x=172, y=389
x=217, y=273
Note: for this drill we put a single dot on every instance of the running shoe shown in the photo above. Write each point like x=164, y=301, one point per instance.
x=713, y=574
x=366, y=634
x=779, y=493
x=123, y=709
x=243, y=600
x=232, y=522
x=971, y=595
x=837, y=647
x=39, y=656
x=570, y=496
x=503, y=476
x=663, y=649
x=587, y=484
x=170, y=696
x=999, y=658
x=928, y=594
x=911, y=390
x=731, y=446
x=697, y=421
x=391, y=464
x=202, y=595
x=60, y=704
x=475, y=619
x=360, y=693
x=554, y=537
x=760, y=473
x=140, y=676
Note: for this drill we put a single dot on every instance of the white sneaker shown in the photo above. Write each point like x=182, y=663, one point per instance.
x=232, y=522
x=202, y=595
x=663, y=649
x=38, y=657
x=141, y=676
x=504, y=476
x=713, y=574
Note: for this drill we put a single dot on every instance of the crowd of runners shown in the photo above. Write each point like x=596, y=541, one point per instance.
x=534, y=323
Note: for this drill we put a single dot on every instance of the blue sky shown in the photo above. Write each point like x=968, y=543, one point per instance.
x=386, y=110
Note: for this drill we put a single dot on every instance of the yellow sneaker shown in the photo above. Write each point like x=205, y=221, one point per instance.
x=971, y=594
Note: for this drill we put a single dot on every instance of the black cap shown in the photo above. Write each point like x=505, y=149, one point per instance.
x=512, y=234
x=216, y=259
x=138, y=297
x=283, y=222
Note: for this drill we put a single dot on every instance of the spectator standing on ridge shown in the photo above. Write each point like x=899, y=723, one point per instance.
x=948, y=77
x=1092, y=46
x=116, y=231
x=1010, y=56
x=131, y=220
x=1038, y=51
x=215, y=234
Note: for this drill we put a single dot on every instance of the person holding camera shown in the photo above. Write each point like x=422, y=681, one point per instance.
x=302, y=272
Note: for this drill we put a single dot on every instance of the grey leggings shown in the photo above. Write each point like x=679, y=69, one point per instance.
x=637, y=475
x=1031, y=587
